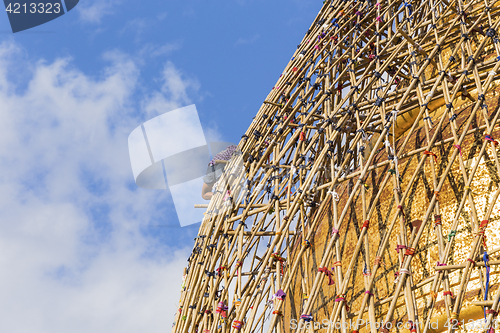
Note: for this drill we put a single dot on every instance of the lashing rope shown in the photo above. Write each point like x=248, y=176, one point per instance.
x=430, y=153
x=306, y=317
x=489, y=138
x=237, y=325
x=366, y=224
x=327, y=273
x=400, y=247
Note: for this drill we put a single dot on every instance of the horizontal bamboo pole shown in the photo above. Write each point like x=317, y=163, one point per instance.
x=461, y=266
x=483, y=303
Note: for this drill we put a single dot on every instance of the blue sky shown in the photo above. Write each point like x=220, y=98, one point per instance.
x=83, y=249
x=235, y=50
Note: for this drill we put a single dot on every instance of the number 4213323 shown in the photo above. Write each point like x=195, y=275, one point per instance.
x=34, y=8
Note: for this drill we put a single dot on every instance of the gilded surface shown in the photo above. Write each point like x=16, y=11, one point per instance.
x=427, y=253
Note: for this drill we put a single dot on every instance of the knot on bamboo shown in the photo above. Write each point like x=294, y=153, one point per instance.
x=472, y=262
x=328, y=273
x=410, y=251
x=492, y=312
x=237, y=325
x=400, y=247
x=366, y=224
x=437, y=220
x=306, y=317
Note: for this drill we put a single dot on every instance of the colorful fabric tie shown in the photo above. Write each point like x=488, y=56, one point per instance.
x=327, y=273
x=486, y=260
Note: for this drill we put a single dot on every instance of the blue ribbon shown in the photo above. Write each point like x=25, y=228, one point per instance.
x=408, y=5
x=486, y=259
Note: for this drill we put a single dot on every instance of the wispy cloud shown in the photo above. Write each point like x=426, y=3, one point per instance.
x=161, y=16
x=136, y=27
x=247, y=41
x=74, y=254
x=173, y=94
x=155, y=50
x=94, y=11
x=140, y=26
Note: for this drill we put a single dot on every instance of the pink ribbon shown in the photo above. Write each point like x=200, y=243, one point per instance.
x=400, y=247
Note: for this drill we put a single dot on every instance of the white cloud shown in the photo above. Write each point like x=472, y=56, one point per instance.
x=247, y=41
x=161, y=16
x=136, y=27
x=173, y=94
x=94, y=11
x=73, y=257
x=155, y=50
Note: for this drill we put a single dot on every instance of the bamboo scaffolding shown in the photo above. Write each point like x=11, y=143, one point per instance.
x=382, y=104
